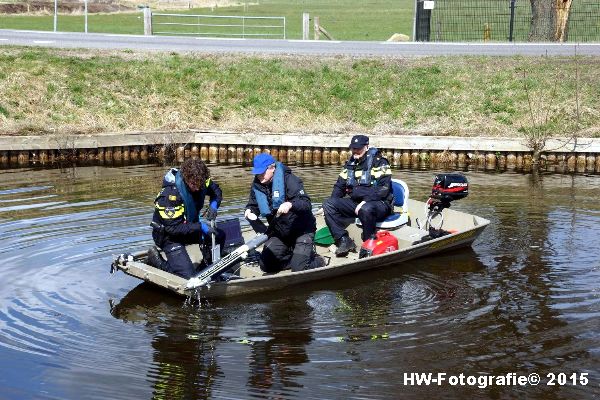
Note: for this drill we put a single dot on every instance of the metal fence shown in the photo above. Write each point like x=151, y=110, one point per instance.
x=499, y=21
x=218, y=25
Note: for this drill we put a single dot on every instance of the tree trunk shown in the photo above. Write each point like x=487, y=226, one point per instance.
x=542, y=21
x=549, y=19
x=563, y=7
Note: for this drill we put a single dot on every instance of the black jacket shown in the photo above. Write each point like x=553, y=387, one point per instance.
x=299, y=220
x=380, y=189
x=169, y=211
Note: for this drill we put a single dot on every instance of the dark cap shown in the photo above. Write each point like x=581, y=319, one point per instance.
x=359, y=141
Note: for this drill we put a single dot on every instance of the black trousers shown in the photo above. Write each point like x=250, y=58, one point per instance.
x=178, y=259
x=339, y=213
x=296, y=254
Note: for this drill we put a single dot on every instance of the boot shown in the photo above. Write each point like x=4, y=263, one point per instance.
x=155, y=259
x=344, y=246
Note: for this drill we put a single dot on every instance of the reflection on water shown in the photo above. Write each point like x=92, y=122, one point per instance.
x=524, y=299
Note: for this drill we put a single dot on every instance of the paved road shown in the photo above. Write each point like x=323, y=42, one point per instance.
x=264, y=46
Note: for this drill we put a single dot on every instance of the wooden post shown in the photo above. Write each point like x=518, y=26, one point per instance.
x=187, y=152
x=222, y=154
x=23, y=157
x=239, y=158
x=307, y=155
x=231, y=153
x=397, y=158
x=299, y=158
x=204, y=152
x=283, y=155
x=519, y=161
x=316, y=26
x=317, y=156
x=335, y=156
x=305, y=25
x=490, y=161
x=597, y=162
x=405, y=159
x=590, y=161
x=248, y=155
x=213, y=154
x=326, y=156
x=4, y=157
x=511, y=161
x=344, y=154
x=108, y=153
x=143, y=153
x=502, y=161
x=180, y=154
x=125, y=153
x=291, y=155
x=195, y=151
x=147, y=21
x=135, y=153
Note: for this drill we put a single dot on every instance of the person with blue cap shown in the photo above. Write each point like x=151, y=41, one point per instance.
x=278, y=195
x=363, y=190
x=176, y=221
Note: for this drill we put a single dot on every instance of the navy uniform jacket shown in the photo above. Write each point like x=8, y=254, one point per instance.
x=169, y=211
x=381, y=180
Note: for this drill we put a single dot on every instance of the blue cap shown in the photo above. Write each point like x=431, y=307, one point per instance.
x=261, y=162
x=359, y=141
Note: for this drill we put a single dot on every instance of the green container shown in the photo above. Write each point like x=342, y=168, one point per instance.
x=323, y=237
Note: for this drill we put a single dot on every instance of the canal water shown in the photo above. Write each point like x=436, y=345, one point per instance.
x=525, y=299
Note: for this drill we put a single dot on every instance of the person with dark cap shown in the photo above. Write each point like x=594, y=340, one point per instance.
x=278, y=195
x=176, y=220
x=363, y=190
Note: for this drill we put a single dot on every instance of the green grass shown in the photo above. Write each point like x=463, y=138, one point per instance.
x=345, y=20
x=46, y=90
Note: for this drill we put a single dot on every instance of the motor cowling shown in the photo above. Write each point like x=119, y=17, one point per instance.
x=449, y=187
x=384, y=242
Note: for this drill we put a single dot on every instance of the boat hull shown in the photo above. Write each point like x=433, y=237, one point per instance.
x=466, y=229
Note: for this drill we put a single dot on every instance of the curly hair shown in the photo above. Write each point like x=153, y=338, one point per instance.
x=194, y=173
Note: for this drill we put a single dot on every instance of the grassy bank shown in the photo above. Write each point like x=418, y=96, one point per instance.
x=45, y=90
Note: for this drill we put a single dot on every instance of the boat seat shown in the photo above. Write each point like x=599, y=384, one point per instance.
x=400, y=215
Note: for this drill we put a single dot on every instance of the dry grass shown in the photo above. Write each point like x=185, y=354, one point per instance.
x=97, y=91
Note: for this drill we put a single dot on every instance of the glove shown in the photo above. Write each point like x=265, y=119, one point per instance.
x=211, y=214
x=207, y=230
x=249, y=215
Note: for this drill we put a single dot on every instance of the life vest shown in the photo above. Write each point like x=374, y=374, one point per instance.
x=173, y=177
x=366, y=175
x=277, y=192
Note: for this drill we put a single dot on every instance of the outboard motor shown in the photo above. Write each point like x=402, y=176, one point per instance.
x=447, y=188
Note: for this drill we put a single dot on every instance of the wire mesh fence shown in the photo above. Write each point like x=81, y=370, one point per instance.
x=507, y=20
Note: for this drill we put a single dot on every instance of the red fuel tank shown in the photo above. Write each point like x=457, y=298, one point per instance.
x=384, y=242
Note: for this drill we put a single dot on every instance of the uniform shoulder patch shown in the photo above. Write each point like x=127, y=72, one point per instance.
x=172, y=197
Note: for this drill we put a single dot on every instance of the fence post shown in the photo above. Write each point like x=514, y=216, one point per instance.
x=147, y=21
x=55, y=15
x=512, y=20
x=414, y=36
x=305, y=26
x=316, y=25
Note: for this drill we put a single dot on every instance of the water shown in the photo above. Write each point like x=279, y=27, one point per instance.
x=524, y=299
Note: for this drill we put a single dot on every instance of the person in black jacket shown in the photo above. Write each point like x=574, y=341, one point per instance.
x=176, y=220
x=363, y=190
x=279, y=195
